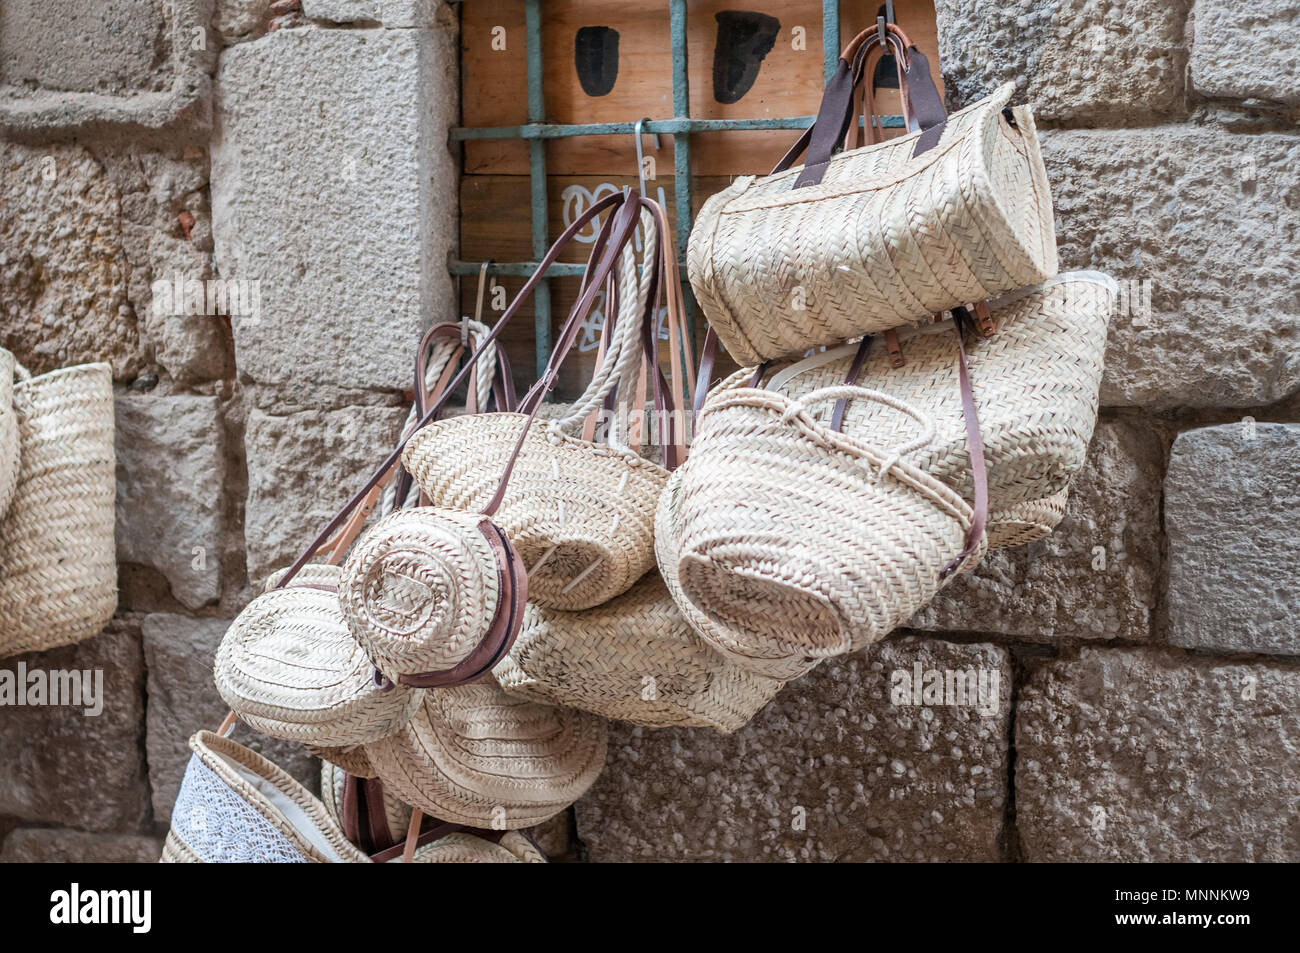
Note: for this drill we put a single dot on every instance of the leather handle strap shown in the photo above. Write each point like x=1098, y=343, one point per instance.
x=979, y=465
x=395, y=455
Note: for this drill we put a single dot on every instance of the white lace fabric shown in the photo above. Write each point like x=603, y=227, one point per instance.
x=221, y=827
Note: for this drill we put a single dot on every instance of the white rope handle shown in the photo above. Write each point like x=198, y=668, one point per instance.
x=854, y=392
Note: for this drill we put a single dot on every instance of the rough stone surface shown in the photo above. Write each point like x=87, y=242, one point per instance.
x=353, y=267
x=71, y=66
x=1212, y=221
x=238, y=19
x=183, y=699
x=64, y=767
x=42, y=846
x=1246, y=50
x=1232, y=503
x=301, y=468
x=170, y=474
x=63, y=274
x=1062, y=586
x=389, y=13
x=1138, y=755
x=1071, y=59
x=874, y=781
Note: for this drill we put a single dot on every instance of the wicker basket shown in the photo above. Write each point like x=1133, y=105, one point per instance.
x=235, y=806
x=885, y=238
x=473, y=755
x=9, y=446
x=634, y=658
x=289, y=668
x=58, y=565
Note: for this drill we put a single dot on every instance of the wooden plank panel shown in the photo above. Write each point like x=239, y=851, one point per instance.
x=788, y=81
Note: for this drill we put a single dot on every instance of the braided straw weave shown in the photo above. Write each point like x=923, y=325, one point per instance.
x=9, y=446
x=351, y=759
x=580, y=514
x=1035, y=381
x=1025, y=522
x=634, y=658
x=465, y=848
x=764, y=661
x=884, y=240
x=474, y=755
x=803, y=541
x=58, y=565
x=235, y=806
x=419, y=589
x=289, y=668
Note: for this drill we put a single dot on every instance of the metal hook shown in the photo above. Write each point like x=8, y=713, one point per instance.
x=639, y=131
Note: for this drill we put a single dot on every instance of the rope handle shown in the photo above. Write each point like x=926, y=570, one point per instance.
x=845, y=392
x=21, y=373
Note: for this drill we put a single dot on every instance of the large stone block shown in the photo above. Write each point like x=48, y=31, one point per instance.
x=1245, y=49
x=63, y=274
x=1095, y=577
x=170, y=480
x=44, y=846
x=64, y=766
x=1204, y=226
x=389, y=13
x=70, y=66
x=1232, y=502
x=301, y=468
x=1138, y=755
x=183, y=699
x=1071, y=59
x=347, y=222
x=830, y=770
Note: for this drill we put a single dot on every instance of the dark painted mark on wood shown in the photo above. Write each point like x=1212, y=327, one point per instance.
x=744, y=39
x=595, y=56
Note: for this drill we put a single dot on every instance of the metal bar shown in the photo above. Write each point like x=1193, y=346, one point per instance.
x=682, y=155
x=672, y=127
x=520, y=269
x=537, y=180
x=830, y=36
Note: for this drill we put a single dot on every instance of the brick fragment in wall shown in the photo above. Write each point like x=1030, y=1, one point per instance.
x=301, y=468
x=1245, y=49
x=170, y=484
x=183, y=699
x=1071, y=59
x=53, y=846
x=63, y=766
x=63, y=273
x=347, y=222
x=1232, y=504
x=121, y=66
x=830, y=770
x=1147, y=755
x=1095, y=576
x=1202, y=229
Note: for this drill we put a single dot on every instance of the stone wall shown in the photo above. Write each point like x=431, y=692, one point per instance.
x=1144, y=660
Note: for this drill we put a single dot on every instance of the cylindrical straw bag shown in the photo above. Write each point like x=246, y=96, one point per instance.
x=235, y=806
x=579, y=512
x=634, y=658
x=9, y=446
x=380, y=825
x=58, y=564
x=875, y=238
x=474, y=755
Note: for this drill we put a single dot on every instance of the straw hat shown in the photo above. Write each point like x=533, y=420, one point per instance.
x=474, y=755
x=289, y=667
x=433, y=595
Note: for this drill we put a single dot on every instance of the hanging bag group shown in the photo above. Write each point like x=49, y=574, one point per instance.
x=870, y=239
x=58, y=563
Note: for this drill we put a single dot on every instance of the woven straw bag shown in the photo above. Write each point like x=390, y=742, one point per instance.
x=474, y=755
x=878, y=237
x=58, y=565
x=634, y=658
x=376, y=822
x=235, y=806
x=579, y=512
x=9, y=447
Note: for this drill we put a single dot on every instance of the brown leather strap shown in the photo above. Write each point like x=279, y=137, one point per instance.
x=395, y=455
x=979, y=466
x=855, y=371
x=363, y=818
x=433, y=829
